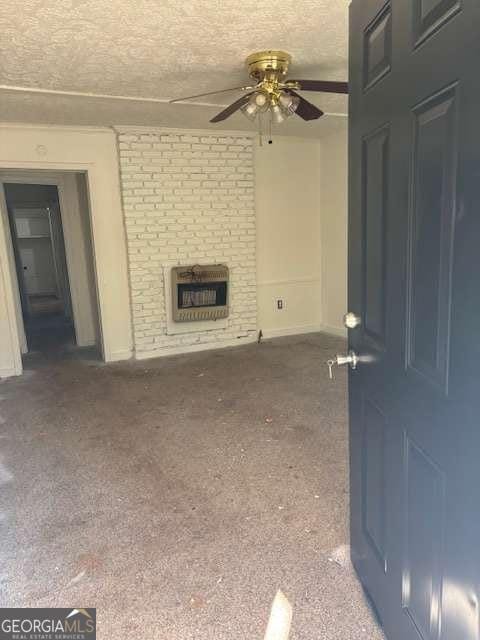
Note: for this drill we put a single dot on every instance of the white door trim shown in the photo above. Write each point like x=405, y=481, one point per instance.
x=69, y=206
x=54, y=149
x=11, y=300
x=12, y=271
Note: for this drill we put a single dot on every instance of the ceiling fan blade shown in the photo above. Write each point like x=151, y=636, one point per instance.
x=226, y=113
x=210, y=93
x=326, y=86
x=306, y=110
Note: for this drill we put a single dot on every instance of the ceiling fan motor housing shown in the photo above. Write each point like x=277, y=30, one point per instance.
x=264, y=63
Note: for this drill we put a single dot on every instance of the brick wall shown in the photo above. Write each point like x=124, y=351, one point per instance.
x=188, y=198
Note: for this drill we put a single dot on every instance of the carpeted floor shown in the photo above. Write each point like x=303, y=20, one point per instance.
x=178, y=495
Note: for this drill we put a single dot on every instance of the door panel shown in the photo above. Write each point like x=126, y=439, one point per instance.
x=431, y=236
x=424, y=532
x=378, y=47
x=430, y=15
x=373, y=472
x=375, y=168
x=414, y=272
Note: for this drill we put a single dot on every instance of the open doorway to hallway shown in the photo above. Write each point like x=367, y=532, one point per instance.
x=51, y=258
x=41, y=267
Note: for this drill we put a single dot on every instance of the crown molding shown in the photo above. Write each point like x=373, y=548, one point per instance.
x=80, y=94
x=108, y=96
x=103, y=96
x=55, y=127
x=184, y=131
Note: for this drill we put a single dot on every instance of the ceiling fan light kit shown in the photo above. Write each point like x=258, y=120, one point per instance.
x=257, y=103
x=250, y=110
x=273, y=96
x=277, y=114
x=288, y=102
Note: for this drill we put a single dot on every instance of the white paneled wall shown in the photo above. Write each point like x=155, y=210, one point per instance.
x=188, y=198
x=288, y=198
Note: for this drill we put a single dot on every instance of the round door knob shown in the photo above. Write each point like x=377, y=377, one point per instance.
x=350, y=320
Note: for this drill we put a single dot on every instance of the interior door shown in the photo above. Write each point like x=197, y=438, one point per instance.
x=414, y=283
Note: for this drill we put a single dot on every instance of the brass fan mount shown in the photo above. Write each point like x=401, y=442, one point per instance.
x=272, y=64
x=269, y=68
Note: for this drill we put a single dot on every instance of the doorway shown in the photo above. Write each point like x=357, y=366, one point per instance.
x=51, y=258
x=39, y=249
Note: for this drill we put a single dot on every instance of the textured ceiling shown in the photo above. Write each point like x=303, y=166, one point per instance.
x=154, y=49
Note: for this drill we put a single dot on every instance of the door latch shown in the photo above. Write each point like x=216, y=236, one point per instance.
x=351, y=359
x=350, y=320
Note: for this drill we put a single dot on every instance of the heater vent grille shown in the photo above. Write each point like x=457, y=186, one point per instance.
x=200, y=293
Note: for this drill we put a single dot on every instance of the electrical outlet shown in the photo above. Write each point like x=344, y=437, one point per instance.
x=280, y=304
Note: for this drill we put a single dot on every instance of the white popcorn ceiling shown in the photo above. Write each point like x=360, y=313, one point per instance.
x=161, y=49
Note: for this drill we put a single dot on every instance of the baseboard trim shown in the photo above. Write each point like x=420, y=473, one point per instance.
x=86, y=343
x=291, y=331
x=340, y=332
x=116, y=356
x=276, y=283
x=194, y=348
x=9, y=373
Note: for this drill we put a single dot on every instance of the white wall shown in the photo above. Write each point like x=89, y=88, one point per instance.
x=301, y=228
x=334, y=221
x=93, y=151
x=288, y=201
x=86, y=265
x=188, y=198
x=78, y=248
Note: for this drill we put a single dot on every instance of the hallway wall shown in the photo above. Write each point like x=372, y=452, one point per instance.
x=78, y=245
x=73, y=243
x=27, y=204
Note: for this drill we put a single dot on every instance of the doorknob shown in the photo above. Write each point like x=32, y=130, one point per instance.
x=351, y=359
x=351, y=320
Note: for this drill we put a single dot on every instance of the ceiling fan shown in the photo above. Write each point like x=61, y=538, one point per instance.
x=272, y=94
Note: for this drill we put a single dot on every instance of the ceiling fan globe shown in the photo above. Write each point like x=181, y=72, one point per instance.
x=278, y=114
x=259, y=102
x=288, y=102
x=250, y=111
x=261, y=99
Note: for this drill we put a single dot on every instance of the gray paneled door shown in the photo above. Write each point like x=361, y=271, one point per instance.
x=414, y=279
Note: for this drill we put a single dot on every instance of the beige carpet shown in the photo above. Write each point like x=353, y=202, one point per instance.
x=178, y=495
